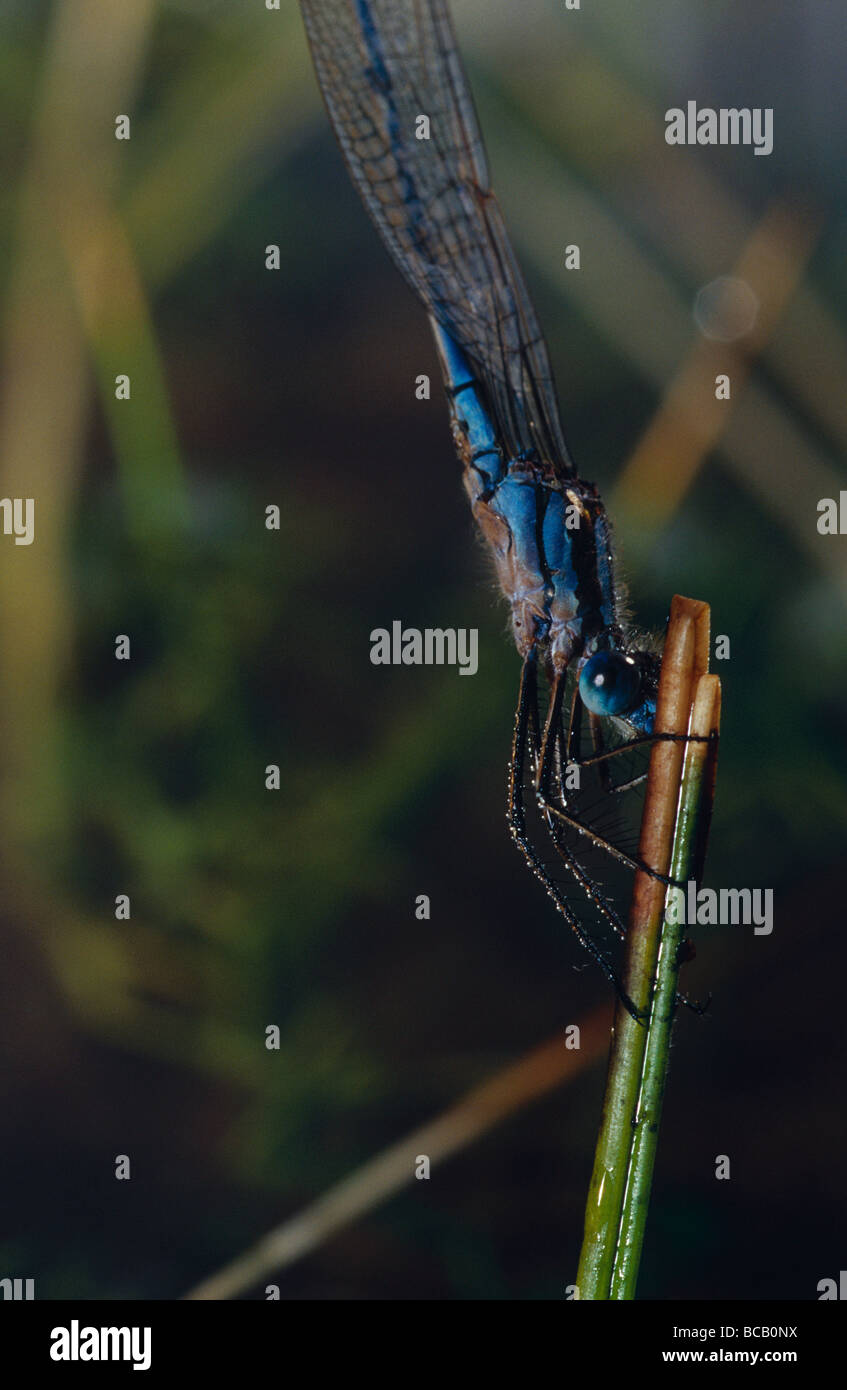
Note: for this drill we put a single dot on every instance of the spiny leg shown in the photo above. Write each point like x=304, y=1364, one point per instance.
x=592, y=891
x=548, y=765
x=559, y=814
x=554, y=737
x=526, y=725
x=639, y=739
x=597, y=898
x=631, y=861
x=598, y=744
x=550, y=737
x=598, y=760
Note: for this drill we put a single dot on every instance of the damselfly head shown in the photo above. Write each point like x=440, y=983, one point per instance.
x=610, y=683
x=617, y=684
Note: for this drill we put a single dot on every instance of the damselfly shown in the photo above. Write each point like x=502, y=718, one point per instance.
x=404, y=117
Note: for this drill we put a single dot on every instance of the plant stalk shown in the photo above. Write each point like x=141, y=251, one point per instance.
x=689, y=840
x=685, y=660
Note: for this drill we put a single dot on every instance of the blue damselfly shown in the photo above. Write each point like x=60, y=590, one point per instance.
x=402, y=111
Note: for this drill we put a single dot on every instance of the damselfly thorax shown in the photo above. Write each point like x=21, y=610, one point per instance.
x=550, y=539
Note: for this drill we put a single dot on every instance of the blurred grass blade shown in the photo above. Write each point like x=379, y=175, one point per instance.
x=118, y=320
x=72, y=162
x=538, y=1072
x=691, y=419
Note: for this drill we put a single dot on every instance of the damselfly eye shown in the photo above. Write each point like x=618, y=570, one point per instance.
x=609, y=683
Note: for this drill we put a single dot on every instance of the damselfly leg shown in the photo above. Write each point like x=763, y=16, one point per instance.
x=527, y=750
x=551, y=797
x=548, y=764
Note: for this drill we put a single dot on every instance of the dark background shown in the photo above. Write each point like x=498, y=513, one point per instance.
x=249, y=647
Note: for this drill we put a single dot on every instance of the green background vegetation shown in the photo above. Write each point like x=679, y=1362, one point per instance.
x=250, y=647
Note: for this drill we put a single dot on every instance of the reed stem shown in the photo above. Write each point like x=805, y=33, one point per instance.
x=672, y=838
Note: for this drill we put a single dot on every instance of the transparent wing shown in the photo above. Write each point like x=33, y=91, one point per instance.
x=383, y=64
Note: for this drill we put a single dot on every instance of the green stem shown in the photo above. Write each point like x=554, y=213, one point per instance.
x=608, y=1180
x=684, y=662
x=605, y=1194
x=692, y=817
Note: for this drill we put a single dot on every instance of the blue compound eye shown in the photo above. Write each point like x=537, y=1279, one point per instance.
x=609, y=683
